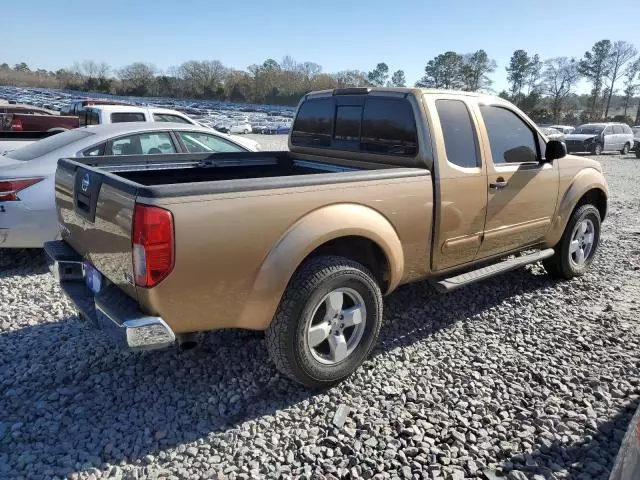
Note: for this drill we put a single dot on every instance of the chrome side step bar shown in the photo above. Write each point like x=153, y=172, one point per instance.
x=453, y=283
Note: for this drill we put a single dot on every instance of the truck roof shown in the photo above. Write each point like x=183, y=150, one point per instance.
x=132, y=108
x=398, y=91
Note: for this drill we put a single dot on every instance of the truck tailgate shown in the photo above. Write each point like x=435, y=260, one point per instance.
x=96, y=220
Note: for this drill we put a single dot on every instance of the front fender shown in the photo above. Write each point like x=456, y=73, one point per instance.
x=311, y=231
x=585, y=180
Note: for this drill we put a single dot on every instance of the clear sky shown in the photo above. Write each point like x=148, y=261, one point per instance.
x=337, y=34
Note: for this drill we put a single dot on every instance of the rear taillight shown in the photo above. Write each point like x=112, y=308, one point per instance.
x=153, y=248
x=9, y=188
x=16, y=125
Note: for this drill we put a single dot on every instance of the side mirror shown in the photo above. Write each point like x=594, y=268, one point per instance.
x=555, y=150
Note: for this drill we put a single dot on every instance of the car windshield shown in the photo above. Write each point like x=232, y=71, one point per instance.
x=48, y=145
x=589, y=129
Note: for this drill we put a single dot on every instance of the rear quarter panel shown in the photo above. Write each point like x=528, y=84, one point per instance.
x=236, y=252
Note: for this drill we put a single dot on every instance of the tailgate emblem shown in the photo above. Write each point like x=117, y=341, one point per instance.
x=85, y=182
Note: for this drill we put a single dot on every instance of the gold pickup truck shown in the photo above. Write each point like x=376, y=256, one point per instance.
x=380, y=187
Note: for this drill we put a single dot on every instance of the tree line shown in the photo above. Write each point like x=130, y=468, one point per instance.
x=544, y=89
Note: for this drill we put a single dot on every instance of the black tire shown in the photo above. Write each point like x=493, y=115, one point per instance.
x=596, y=149
x=638, y=151
x=625, y=149
x=286, y=337
x=246, y=132
x=560, y=264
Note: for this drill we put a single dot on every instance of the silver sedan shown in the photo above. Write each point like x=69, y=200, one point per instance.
x=27, y=202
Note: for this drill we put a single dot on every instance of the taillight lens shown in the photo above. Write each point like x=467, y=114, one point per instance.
x=16, y=125
x=153, y=248
x=9, y=188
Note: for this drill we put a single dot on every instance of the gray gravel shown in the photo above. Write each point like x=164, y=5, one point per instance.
x=520, y=377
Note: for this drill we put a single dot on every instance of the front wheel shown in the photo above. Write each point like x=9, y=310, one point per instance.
x=577, y=247
x=625, y=149
x=596, y=149
x=327, y=322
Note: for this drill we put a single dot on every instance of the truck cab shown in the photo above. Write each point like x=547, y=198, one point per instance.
x=103, y=114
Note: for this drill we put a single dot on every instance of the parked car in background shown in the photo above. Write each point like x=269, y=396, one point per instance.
x=28, y=109
x=381, y=187
x=597, y=138
x=78, y=106
x=242, y=127
x=37, y=122
x=103, y=114
x=552, y=133
x=27, y=217
x=565, y=129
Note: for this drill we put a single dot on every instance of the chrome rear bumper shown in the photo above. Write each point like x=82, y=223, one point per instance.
x=110, y=310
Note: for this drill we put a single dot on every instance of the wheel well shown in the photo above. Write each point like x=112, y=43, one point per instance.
x=597, y=198
x=362, y=250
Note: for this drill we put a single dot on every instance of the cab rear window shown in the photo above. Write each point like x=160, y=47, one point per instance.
x=357, y=123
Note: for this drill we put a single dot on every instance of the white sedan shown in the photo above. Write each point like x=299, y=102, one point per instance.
x=27, y=175
x=242, y=127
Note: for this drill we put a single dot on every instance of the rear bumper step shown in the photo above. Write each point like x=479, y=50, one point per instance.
x=111, y=310
x=453, y=283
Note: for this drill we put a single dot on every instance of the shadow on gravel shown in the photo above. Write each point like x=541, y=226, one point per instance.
x=592, y=458
x=69, y=401
x=405, y=309
x=22, y=262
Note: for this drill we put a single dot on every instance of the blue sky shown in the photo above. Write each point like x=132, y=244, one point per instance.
x=339, y=35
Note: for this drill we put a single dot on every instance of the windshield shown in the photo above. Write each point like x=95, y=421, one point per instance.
x=48, y=145
x=589, y=129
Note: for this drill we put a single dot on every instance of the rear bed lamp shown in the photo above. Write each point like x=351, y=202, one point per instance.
x=153, y=244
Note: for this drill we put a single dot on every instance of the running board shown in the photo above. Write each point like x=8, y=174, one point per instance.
x=453, y=283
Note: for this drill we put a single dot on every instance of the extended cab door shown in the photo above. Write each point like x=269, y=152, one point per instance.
x=460, y=182
x=522, y=190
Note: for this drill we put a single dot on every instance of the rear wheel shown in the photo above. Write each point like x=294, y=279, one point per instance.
x=577, y=248
x=327, y=322
x=246, y=131
x=625, y=149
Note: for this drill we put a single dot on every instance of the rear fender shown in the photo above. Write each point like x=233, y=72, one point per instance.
x=586, y=179
x=307, y=234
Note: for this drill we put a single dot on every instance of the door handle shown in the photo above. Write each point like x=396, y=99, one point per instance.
x=499, y=184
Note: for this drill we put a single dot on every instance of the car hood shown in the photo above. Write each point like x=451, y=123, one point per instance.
x=580, y=136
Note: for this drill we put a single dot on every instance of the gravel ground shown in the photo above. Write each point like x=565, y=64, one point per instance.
x=520, y=377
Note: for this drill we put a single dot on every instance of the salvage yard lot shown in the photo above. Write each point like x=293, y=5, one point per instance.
x=519, y=374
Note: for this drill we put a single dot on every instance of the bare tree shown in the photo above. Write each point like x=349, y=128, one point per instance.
x=621, y=53
x=204, y=78
x=138, y=77
x=560, y=76
x=630, y=85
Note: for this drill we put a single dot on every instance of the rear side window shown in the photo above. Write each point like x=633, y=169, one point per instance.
x=617, y=129
x=94, y=151
x=123, y=117
x=314, y=123
x=167, y=117
x=627, y=129
x=388, y=127
x=459, y=135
